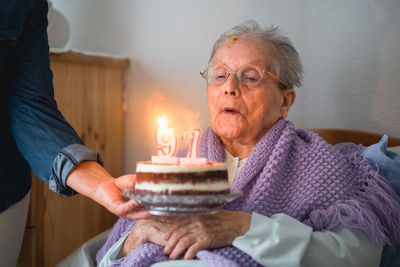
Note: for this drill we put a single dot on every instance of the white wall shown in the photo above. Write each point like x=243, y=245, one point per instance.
x=350, y=51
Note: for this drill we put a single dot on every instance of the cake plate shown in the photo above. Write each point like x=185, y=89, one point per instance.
x=166, y=205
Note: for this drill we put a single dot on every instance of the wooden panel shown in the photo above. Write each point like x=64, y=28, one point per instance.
x=90, y=97
x=77, y=57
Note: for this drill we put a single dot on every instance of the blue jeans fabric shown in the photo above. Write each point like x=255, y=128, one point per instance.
x=32, y=129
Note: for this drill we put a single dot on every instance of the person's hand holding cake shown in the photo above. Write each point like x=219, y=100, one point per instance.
x=304, y=202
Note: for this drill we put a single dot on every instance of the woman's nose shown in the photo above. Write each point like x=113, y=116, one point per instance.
x=231, y=86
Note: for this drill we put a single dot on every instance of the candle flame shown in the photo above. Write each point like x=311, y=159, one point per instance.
x=162, y=122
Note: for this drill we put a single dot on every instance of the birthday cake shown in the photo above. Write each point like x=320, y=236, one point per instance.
x=181, y=179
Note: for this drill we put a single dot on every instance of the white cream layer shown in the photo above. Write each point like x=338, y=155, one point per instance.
x=168, y=168
x=162, y=187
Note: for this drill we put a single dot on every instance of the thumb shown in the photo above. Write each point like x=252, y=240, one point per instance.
x=126, y=182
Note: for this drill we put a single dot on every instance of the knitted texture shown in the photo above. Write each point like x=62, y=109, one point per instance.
x=143, y=256
x=299, y=174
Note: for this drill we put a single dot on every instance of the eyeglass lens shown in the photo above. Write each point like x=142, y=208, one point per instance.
x=246, y=75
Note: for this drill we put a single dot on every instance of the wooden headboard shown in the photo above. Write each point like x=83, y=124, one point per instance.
x=334, y=136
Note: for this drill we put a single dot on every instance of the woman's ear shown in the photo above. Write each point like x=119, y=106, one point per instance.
x=289, y=96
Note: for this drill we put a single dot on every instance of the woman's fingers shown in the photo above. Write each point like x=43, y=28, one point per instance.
x=194, y=248
x=179, y=230
x=173, y=240
x=183, y=244
x=191, y=244
x=169, y=234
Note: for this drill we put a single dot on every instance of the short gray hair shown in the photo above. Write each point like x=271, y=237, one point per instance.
x=286, y=61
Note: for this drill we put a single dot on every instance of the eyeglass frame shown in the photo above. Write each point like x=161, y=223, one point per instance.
x=230, y=70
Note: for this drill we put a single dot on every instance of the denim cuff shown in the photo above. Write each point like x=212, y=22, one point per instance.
x=66, y=161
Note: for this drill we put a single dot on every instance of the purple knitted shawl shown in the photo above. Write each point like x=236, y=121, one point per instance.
x=299, y=174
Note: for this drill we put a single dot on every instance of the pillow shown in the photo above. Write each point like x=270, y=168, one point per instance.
x=387, y=159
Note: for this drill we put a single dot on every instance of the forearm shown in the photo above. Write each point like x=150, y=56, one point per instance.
x=90, y=179
x=87, y=177
x=37, y=126
x=67, y=160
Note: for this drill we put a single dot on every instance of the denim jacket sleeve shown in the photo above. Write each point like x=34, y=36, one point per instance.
x=46, y=140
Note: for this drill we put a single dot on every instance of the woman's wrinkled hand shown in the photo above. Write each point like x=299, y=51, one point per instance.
x=188, y=234
x=147, y=230
x=193, y=233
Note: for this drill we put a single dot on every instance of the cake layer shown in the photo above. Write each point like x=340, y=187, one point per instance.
x=183, y=188
x=182, y=193
x=178, y=179
x=182, y=177
x=148, y=166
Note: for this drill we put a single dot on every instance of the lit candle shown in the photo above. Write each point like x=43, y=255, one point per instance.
x=193, y=151
x=166, y=143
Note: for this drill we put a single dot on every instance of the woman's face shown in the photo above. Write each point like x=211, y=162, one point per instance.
x=239, y=113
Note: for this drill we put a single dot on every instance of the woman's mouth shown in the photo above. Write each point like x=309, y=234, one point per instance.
x=230, y=111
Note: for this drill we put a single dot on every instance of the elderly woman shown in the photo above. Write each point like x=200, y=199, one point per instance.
x=304, y=202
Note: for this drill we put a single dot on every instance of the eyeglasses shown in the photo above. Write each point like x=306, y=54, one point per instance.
x=249, y=75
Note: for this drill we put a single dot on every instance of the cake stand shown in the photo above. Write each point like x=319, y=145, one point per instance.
x=172, y=205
